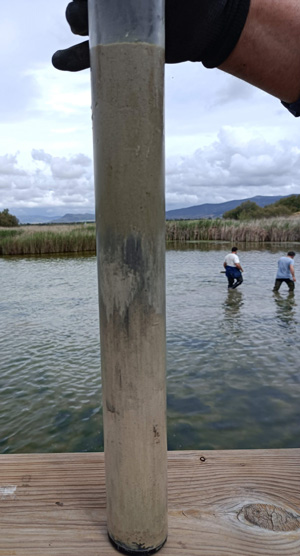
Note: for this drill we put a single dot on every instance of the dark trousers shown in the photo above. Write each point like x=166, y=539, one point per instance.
x=234, y=277
x=288, y=281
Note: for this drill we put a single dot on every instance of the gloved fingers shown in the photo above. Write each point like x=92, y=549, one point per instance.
x=75, y=58
x=77, y=17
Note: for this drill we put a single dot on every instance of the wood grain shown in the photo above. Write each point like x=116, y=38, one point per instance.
x=221, y=503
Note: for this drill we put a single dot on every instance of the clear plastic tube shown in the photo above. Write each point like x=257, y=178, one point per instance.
x=112, y=21
x=127, y=72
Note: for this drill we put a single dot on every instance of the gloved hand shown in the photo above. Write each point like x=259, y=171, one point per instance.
x=76, y=57
x=196, y=30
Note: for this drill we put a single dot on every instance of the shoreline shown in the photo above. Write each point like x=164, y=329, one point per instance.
x=42, y=239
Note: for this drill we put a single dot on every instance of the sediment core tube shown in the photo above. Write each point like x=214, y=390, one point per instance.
x=127, y=72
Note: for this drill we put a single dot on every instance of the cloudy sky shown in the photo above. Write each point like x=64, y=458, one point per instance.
x=224, y=139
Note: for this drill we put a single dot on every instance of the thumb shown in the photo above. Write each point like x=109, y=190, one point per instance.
x=75, y=58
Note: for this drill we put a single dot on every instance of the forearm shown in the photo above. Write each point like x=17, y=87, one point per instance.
x=267, y=54
x=203, y=30
x=196, y=30
x=255, y=40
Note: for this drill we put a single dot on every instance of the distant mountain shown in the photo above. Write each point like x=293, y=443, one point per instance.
x=34, y=219
x=70, y=218
x=216, y=210
x=42, y=215
x=207, y=210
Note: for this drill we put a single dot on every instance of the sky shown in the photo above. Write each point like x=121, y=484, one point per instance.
x=224, y=139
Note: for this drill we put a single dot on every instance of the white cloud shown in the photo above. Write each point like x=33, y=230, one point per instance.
x=231, y=169
x=8, y=165
x=64, y=168
x=40, y=155
x=224, y=139
x=61, y=181
x=232, y=166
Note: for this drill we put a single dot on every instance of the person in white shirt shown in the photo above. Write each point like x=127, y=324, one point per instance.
x=233, y=269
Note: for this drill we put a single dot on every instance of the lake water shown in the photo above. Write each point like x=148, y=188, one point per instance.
x=233, y=358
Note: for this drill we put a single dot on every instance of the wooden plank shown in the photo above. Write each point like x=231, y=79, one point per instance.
x=221, y=503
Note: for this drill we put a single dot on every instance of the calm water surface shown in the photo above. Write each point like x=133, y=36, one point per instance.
x=233, y=370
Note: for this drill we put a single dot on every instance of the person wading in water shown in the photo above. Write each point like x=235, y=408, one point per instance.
x=286, y=272
x=233, y=269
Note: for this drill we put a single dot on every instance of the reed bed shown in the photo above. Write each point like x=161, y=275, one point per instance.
x=265, y=230
x=79, y=238
x=40, y=240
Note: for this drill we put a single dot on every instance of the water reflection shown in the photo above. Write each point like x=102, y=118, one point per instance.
x=233, y=303
x=232, y=356
x=221, y=246
x=286, y=308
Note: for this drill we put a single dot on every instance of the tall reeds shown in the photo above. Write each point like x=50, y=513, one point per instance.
x=43, y=240
x=79, y=238
x=265, y=230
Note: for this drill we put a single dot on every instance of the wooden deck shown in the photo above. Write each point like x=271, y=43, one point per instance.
x=221, y=503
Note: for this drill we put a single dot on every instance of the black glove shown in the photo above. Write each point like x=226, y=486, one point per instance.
x=76, y=57
x=196, y=30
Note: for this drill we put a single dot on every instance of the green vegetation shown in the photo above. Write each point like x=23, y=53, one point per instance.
x=9, y=233
x=39, y=240
x=79, y=238
x=8, y=220
x=250, y=210
x=264, y=230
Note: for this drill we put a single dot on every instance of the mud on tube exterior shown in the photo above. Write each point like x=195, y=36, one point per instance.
x=127, y=73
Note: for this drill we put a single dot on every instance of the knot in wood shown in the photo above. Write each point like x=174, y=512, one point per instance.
x=270, y=517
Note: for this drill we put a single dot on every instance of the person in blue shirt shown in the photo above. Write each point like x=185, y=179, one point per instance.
x=286, y=272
